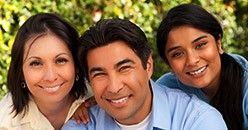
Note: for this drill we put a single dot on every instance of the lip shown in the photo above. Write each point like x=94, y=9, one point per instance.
x=119, y=102
x=51, y=88
x=198, y=71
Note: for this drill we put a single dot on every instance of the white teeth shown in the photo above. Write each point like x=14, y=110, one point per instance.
x=198, y=71
x=120, y=100
x=53, y=88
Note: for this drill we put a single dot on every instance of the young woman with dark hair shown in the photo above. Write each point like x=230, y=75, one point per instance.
x=189, y=41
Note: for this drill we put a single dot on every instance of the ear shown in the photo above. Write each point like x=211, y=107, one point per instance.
x=149, y=66
x=219, y=45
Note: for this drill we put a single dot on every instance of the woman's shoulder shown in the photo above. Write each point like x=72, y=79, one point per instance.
x=6, y=110
x=33, y=118
x=6, y=102
x=241, y=60
x=169, y=79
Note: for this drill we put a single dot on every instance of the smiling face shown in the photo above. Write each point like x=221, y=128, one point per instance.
x=119, y=82
x=48, y=68
x=194, y=57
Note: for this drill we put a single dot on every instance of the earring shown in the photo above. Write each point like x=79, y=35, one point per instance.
x=23, y=85
x=77, y=77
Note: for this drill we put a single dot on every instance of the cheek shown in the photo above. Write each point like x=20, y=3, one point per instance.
x=214, y=61
x=211, y=55
x=137, y=82
x=67, y=72
x=98, y=92
x=32, y=77
x=98, y=88
x=177, y=65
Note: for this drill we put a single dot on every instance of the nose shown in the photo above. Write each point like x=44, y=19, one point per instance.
x=50, y=73
x=115, y=84
x=193, y=58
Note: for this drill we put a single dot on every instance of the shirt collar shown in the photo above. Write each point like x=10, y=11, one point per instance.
x=160, y=112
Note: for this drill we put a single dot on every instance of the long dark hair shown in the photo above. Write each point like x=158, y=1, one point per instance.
x=228, y=99
x=39, y=24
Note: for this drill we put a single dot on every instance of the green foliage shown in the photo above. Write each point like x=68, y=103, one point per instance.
x=147, y=14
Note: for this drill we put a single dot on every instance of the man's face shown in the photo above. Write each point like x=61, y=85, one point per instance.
x=120, y=83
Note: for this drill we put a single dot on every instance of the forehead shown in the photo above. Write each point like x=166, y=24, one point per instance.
x=44, y=40
x=45, y=43
x=110, y=54
x=186, y=30
x=185, y=34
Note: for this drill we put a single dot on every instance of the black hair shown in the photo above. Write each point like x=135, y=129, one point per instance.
x=228, y=99
x=108, y=31
x=35, y=26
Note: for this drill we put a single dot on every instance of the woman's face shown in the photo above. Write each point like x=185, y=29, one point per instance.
x=194, y=56
x=48, y=68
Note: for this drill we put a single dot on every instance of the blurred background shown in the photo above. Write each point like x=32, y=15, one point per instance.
x=232, y=14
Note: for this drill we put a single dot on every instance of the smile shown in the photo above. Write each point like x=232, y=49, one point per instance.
x=52, y=89
x=119, y=100
x=198, y=71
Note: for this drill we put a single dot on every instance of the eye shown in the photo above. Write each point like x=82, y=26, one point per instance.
x=177, y=54
x=61, y=60
x=97, y=75
x=201, y=44
x=123, y=68
x=35, y=63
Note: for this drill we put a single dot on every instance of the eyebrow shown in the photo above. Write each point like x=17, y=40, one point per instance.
x=33, y=57
x=124, y=61
x=197, y=39
x=63, y=53
x=36, y=57
x=94, y=69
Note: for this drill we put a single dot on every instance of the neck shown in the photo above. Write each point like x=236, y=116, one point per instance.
x=56, y=112
x=211, y=90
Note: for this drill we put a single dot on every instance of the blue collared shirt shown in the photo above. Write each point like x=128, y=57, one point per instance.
x=172, y=109
x=170, y=80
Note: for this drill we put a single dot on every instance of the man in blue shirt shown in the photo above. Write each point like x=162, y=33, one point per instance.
x=117, y=62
